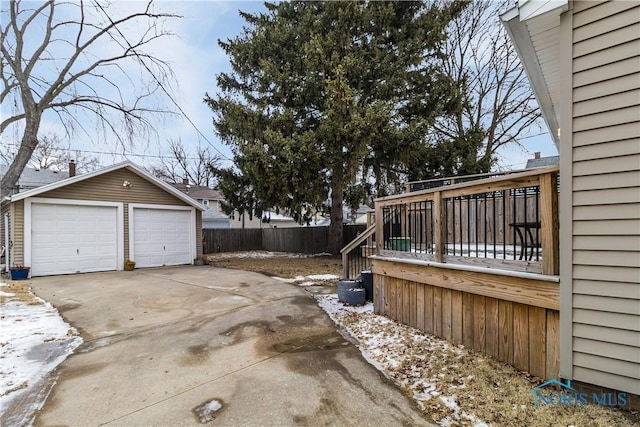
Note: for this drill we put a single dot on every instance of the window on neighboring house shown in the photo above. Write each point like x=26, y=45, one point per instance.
x=205, y=202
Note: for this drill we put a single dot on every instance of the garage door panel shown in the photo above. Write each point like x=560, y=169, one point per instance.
x=162, y=237
x=73, y=238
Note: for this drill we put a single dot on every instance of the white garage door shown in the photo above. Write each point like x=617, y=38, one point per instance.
x=161, y=237
x=73, y=239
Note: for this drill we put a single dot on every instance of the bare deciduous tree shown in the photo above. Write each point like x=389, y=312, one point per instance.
x=182, y=164
x=498, y=105
x=51, y=154
x=67, y=59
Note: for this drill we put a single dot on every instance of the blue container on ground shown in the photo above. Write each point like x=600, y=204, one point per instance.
x=19, y=273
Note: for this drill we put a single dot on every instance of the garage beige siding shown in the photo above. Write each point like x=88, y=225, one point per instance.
x=199, y=233
x=16, y=224
x=16, y=232
x=606, y=194
x=108, y=187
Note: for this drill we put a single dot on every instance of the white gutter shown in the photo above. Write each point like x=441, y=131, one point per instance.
x=518, y=32
x=531, y=8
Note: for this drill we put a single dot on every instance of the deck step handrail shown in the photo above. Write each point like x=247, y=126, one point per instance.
x=355, y=244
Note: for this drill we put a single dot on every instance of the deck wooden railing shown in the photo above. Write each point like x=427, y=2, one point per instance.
x=355, y=256
x=507, y=222
x=427, y=184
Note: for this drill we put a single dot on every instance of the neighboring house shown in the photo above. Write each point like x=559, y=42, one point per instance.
x=542, y=162
x=96, y=221
x=583, y=61
x=214, y=217
x=357, y=217
x=268, y=220
x=32, y=178
x=211, y=199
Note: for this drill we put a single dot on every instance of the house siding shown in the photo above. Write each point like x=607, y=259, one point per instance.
x=107, y=187
x=605, y=194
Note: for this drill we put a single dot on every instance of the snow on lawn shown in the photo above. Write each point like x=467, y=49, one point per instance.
x=261, y=255
x=34, y=340
x=308, y=280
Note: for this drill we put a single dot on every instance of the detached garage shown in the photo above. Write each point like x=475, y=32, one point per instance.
x=94, y=222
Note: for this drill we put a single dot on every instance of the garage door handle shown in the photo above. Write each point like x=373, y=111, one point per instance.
x=78, y=251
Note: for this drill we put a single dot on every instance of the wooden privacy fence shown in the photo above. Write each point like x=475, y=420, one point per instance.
x=231, y=240
x=308, y=240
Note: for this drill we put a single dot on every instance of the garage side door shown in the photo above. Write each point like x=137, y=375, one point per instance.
x=73, y=239
x=161, y=237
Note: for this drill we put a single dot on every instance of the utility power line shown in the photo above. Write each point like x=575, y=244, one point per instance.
x=159, y=83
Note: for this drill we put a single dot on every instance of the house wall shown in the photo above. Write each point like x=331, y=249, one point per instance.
x=107, y=187
x=600, y=211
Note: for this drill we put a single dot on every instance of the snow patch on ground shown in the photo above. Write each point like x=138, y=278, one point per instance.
x=294, y=280
x=307, y=280
x=262, y=255
x=333, y=307
x=34, y=340
x=207, y=412
x=322, y=277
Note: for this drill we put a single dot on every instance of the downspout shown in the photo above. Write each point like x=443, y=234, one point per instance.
x=6, y=243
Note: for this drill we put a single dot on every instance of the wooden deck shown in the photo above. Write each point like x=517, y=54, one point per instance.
x=435, y=268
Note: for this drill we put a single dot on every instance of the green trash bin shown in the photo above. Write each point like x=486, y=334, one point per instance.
x=401, y=244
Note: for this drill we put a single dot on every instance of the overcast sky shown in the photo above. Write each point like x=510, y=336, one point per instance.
x=196, y=59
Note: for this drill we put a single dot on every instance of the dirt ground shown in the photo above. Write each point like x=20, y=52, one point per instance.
x=278, y=265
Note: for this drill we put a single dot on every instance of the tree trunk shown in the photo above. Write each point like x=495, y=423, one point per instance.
x=335, y=227
x=28, y=144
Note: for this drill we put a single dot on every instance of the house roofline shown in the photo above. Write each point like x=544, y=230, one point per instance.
x=123, y=165
x=516, y=28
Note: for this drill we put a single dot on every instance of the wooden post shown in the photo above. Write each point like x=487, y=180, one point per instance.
x=379, y=228
x=549, y=232
x=438, y=225
x=404, y=220
x=345, y=265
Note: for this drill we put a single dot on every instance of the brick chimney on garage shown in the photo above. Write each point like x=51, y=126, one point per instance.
x=536, y=155
x=72, y=168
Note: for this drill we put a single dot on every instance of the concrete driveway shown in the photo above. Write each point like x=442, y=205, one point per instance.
x=191, y=345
